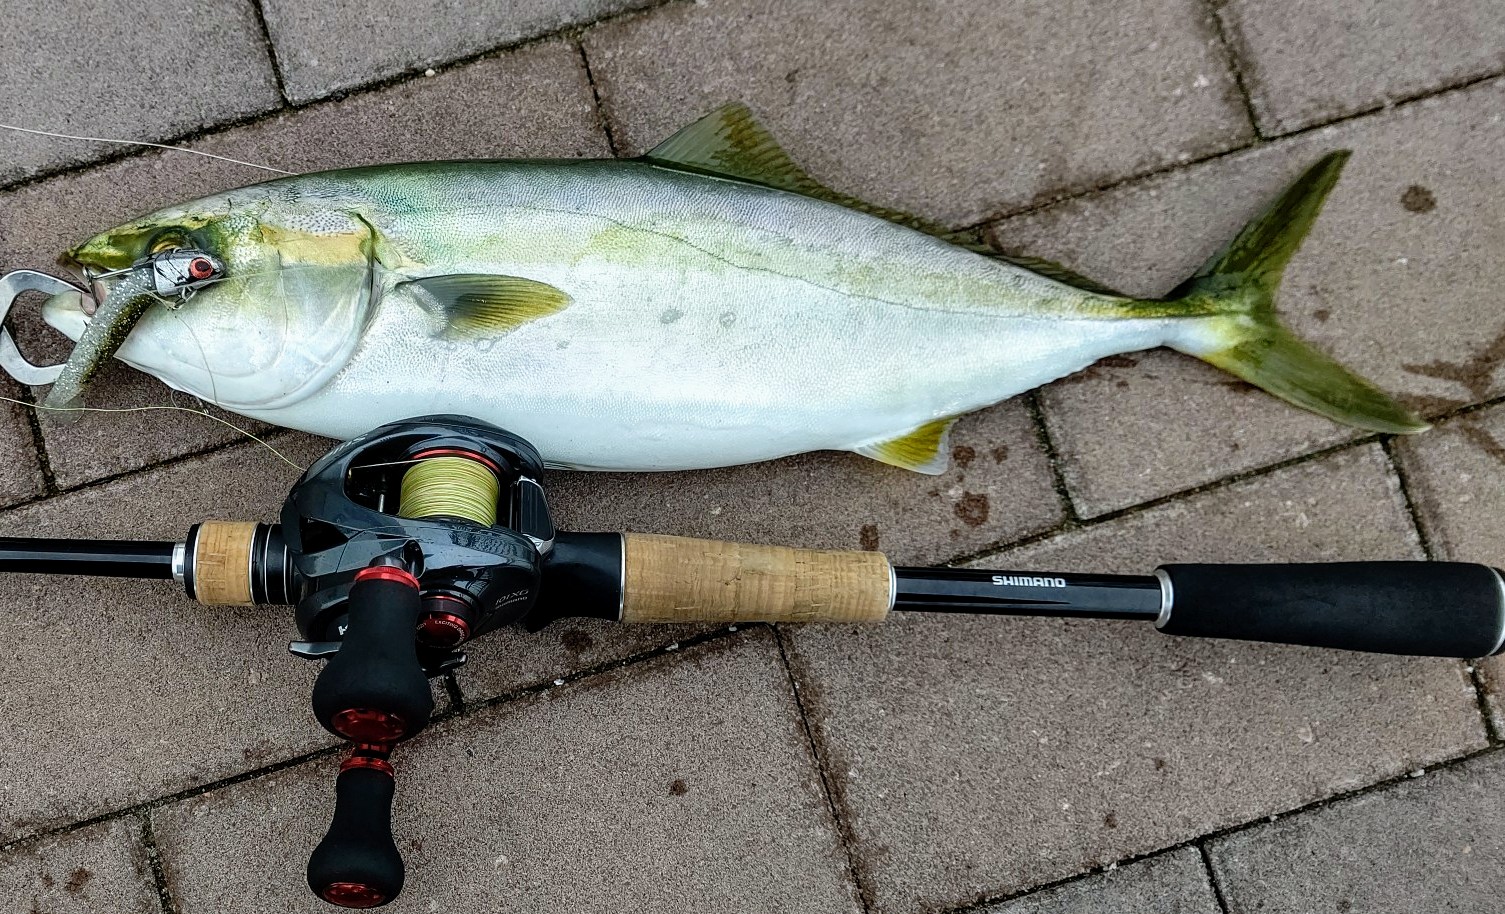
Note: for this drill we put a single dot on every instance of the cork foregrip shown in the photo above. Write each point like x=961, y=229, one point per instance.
x=675, y=579
x=222, y=563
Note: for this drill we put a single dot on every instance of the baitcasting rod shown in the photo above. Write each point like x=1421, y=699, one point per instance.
x=1450, y=609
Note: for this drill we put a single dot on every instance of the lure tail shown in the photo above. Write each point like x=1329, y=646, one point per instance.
x=1243, y=335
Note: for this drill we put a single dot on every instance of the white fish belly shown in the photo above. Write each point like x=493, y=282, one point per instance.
x=705, y=385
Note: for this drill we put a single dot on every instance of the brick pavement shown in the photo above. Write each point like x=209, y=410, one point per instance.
x=155, y=757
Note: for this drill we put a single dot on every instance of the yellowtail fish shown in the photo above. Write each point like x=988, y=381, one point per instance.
x=705, y=305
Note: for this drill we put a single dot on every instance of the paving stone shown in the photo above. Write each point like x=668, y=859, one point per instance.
x=957, y=111
x=535, y=102
x=684, y=784
x=978, y=756
x=1428, y=844
x=317, y=57
x=1174, y=883
x=1396, y=280
x=99, y=868
x=1457, y=479
x=20, y=470
x=117, y=69
x=1305, y=63
x=128, y=688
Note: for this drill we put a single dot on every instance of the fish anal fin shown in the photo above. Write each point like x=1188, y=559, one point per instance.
x=484, y=305
x=925, y=449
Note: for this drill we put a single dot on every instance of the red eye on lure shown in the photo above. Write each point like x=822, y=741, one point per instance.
x=180, y=273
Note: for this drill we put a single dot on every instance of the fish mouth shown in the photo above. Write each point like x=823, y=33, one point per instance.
x=89, y=277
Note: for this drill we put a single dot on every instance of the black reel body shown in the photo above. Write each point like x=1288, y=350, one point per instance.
x=403, y=544
x=347, y=512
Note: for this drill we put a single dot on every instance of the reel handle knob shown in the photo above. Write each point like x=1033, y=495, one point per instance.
x=373, y=690
x=357, y=865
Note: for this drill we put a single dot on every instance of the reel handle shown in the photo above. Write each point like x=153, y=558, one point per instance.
x=373, y=690
x=357, y=865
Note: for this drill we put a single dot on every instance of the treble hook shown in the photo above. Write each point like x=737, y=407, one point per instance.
x=11, y=360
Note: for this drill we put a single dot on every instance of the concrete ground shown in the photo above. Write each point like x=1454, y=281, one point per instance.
x=156, y=756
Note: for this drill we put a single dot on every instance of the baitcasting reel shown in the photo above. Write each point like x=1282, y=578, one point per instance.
x=400, y=546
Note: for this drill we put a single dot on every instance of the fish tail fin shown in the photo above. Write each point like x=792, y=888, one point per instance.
x=1242, y=333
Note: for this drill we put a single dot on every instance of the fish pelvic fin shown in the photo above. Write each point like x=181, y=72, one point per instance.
x=1241, y=332
x=925, y=449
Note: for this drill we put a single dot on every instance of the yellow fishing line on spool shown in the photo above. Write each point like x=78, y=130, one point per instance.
x=450, y=487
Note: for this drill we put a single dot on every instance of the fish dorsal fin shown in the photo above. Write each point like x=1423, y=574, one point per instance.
x=925, y=449
x=729, y=141
x=485, y=305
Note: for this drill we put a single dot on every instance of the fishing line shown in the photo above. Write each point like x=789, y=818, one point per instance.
x=100, y=139
x=182, y=409
x=447, y=486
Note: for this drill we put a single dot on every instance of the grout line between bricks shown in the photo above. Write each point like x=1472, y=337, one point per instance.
x=39, y=446
x=1235, y=68
x=154, y=862
x=411, y=74
x=271, y=437
x=1213, y=881
x=475, y=705
x=600, y=107
x=145, y=806
x=1214, y=485
x=1403, y=479
x=1087, y=193
x=1470, y=669
x=1141, y=507
x=844, y=832
x=1036, y=407
x=258, y=6
x=460, y=710
x=982, y=902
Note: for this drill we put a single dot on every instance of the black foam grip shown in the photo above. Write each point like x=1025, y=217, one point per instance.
x=1437, y=609
x=376, y=668
x=357, y=863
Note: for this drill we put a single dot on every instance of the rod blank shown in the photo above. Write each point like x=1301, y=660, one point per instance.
x=98, y=558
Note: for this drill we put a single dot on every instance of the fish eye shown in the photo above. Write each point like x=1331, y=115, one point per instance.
x=170, y=241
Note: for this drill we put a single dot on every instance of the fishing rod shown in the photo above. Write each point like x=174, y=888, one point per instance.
x=400, y=546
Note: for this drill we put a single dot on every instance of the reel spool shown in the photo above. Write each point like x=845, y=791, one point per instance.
x=454, y=484
x=450, y=483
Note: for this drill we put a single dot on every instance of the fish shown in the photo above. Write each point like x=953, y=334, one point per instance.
x=704, y=305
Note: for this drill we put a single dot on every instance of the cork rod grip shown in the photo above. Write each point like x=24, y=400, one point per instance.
x=222, y=563
x=676, y=579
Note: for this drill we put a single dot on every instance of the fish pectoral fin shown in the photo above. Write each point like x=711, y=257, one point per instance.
x=483, y=305
x=925, y=450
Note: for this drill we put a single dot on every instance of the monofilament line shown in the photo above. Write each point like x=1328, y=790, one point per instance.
x=140, y=409
x=100, y=139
